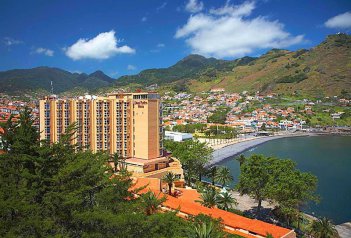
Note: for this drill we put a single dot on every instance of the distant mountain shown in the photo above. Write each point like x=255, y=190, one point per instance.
x=25, y=80
x=322, y=70
x=191, y=67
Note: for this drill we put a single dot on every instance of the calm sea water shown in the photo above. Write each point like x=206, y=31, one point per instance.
x=327, y=157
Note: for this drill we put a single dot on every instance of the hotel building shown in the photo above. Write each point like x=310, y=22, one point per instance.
x=129, y=124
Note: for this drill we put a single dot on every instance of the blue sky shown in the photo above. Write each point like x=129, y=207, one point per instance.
x=124, y=37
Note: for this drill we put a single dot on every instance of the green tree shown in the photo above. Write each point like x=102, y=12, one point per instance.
x=241, y=159
x=223, y=175
x=291, y=188
x=208, y=197
x=212, y=172
x=219, y=116
x=151, y=202
x=169, y=178
x=225, y=201
x=323, y=228
x=213, y=227
x=276, y=179
x=19, y=213
x=205, y=230
x=20, y=137
x=269, y=235
x=116, y=161
x=193, y=155
x=254, y=178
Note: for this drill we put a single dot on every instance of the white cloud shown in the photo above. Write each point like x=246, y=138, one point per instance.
x=44, y=51
x=194, y=6
x=158, y=48
x=8, y=41
x=230, y=32
x=163, y=5
x=131, y=67
x=103, y=46
x=244, y=9
x=144, y=19
x=340, y=21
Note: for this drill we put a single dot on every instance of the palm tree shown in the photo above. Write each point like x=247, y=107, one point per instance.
x=241, y=159
x=226, y=201
x=122, y=163
x=212, y=174
x=208, y=197
x=200, y=167
x=323, y=228
x=223, y=176
x=151, y=202
x=205, y=230
x=116, y=161
x=169, y=178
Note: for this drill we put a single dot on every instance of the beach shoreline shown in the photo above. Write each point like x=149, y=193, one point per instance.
x=232, y=149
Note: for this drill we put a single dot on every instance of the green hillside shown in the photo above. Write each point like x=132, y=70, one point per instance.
x=322, y=70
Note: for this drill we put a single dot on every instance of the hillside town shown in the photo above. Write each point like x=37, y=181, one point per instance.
x=249, y=112
x=245, y=112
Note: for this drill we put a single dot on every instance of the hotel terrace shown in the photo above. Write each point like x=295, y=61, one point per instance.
x=129, y=124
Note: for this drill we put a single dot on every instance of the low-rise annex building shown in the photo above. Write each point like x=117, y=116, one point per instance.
x=178, y=136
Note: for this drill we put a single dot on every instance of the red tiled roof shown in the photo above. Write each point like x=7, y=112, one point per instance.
x=186, y=204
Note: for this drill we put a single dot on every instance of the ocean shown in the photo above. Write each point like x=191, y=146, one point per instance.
x=327, y=157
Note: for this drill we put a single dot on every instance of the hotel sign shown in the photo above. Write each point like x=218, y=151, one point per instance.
x=140, y=103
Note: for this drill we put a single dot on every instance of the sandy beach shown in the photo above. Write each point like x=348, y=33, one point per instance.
x=223, y=151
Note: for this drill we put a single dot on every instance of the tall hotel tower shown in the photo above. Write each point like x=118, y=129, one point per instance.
x=128, y=123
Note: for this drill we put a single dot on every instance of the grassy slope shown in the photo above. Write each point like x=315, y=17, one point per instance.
x=326, y=66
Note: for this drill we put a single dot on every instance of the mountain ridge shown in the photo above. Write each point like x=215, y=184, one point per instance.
x=321, y=70
x=39, y=78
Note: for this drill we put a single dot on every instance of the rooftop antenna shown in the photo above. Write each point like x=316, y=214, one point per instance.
x=52, y=88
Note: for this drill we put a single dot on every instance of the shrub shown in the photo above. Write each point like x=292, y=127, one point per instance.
x=293, y=78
